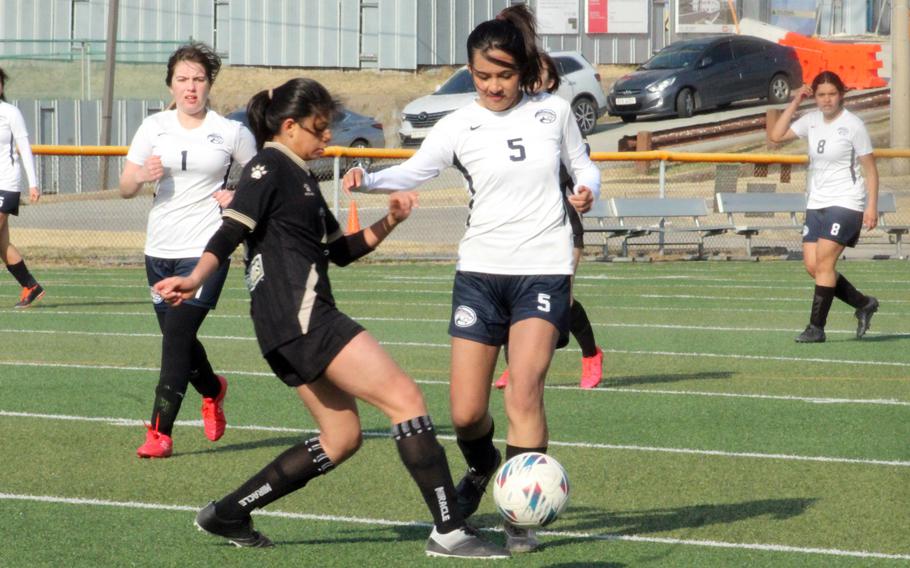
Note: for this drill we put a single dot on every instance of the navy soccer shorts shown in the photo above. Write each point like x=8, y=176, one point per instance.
x=157, y=269
x=837, y=224
x=484, y=306
x=9, y=202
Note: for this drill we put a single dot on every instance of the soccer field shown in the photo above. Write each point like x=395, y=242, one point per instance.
x=714, y=440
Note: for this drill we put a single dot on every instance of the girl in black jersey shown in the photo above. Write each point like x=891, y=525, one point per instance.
x=290, y=236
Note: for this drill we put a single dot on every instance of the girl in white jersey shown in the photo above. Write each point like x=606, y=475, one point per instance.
x=842, y=199
x=13, y=137
x=187, y=153
x=512, y=281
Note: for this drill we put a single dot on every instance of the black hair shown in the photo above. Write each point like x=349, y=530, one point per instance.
x=197, y=52
x=549, y=65
x=514, y=32
x=297, y=99
x=830, y=78
x=3, y=78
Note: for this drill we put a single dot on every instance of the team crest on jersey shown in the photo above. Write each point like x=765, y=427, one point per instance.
x=215, y=138
x=545, y=116
x=464, y=316
x=307, y=190
x=254, y=272
x=258, y=171
x=843, y=131
x=156, y=297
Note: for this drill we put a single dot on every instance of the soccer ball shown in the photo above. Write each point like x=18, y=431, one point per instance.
x=531, y=490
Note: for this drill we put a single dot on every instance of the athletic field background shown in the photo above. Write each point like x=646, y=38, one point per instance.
x=714, y=440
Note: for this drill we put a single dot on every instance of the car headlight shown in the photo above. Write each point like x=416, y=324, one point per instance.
x=404, y=116
x=661, y=85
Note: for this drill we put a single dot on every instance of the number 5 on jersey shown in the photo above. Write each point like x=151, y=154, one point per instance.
x=516, y=147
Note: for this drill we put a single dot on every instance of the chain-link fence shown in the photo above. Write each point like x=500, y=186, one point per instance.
x=77, y=219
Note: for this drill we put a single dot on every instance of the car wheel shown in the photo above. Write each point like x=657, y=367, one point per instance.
x=685, y=103
x=359, y=162
x=585, y=111
x=629, y=118
x=779, y=89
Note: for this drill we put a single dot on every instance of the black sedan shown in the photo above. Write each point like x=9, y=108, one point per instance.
x=694, y=74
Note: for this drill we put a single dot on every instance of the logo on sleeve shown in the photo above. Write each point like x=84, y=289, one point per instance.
x=258, y=171
x=545, y=116
x=255, y=272
x=464, y=316
x=215, y=138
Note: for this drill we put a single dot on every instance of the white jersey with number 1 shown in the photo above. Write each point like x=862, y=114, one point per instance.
x=517, y=222
x=835, y=178
x=196, y=162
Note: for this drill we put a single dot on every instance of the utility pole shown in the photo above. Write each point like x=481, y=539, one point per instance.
x=107, y=104
x=900, y=83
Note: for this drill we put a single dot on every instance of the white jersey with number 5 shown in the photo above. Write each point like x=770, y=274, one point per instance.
x=13, y=136
x=835, y=178
x=196, y=163
x=517, y=222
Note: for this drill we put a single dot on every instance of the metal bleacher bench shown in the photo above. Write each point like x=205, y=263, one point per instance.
x=634, y=217
x=888, y=204
x=733, y=204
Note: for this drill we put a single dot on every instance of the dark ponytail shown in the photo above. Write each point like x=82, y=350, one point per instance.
x=549, y=65
x=3, y=78
x=297, y=99
x=514, y=32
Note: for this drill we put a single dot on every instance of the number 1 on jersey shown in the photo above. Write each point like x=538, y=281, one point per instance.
x=183, y=160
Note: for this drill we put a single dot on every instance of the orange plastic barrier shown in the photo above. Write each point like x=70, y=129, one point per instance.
x=856, y=64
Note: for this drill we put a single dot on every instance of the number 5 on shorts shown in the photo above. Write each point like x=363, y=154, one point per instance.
x=543, y=302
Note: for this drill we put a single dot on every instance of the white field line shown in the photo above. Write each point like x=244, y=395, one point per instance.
x=603, y=390
x=553, y=443
x=595, y=392
x=578, y=535
x=898, y=364
x=589, y=305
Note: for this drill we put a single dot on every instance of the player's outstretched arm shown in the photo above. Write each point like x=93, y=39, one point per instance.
x=345, y=249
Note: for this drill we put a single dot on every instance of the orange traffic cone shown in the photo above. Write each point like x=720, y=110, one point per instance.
x=353, y=219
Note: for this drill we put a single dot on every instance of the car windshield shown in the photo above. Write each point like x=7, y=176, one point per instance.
x=679, y=57
x=458, y=83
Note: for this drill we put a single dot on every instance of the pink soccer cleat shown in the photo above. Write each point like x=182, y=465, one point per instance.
x=592, y=370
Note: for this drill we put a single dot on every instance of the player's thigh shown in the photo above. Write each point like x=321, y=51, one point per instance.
x=532, y=342
x=364, y=369
x=473, y=363
x=826, y=254
x=336, y=416
x=809, y=257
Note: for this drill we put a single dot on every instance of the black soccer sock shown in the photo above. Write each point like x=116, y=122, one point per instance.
x=167, y=405
x=845, y=292
x=425, y=460
x=821, y=305
x=285, y=474
x=202, y=377
x=480, y=453
x=512, y=451
x=21, y=274
x=580, y=326
x=179, y=327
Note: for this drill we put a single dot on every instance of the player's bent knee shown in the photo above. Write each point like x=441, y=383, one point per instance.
x=341, y=445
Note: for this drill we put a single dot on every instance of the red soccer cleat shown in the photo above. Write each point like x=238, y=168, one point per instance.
x=213, y=413
x=592, y=370
x=503, y=380
x=157, y=445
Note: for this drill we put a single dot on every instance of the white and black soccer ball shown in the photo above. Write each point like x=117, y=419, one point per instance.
x=531, y=490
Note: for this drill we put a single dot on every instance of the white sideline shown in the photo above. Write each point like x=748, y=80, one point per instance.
x=603, y=390
x=553, y=443
x=387, y=522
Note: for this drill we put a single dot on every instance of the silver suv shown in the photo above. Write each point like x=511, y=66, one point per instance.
x=580, y=85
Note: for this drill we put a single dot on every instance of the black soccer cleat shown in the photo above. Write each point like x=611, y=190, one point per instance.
x=29, y=296
x=463, y=543
x=864, y=317
x=812, y=334
x=239, y=533
x=470, y=489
